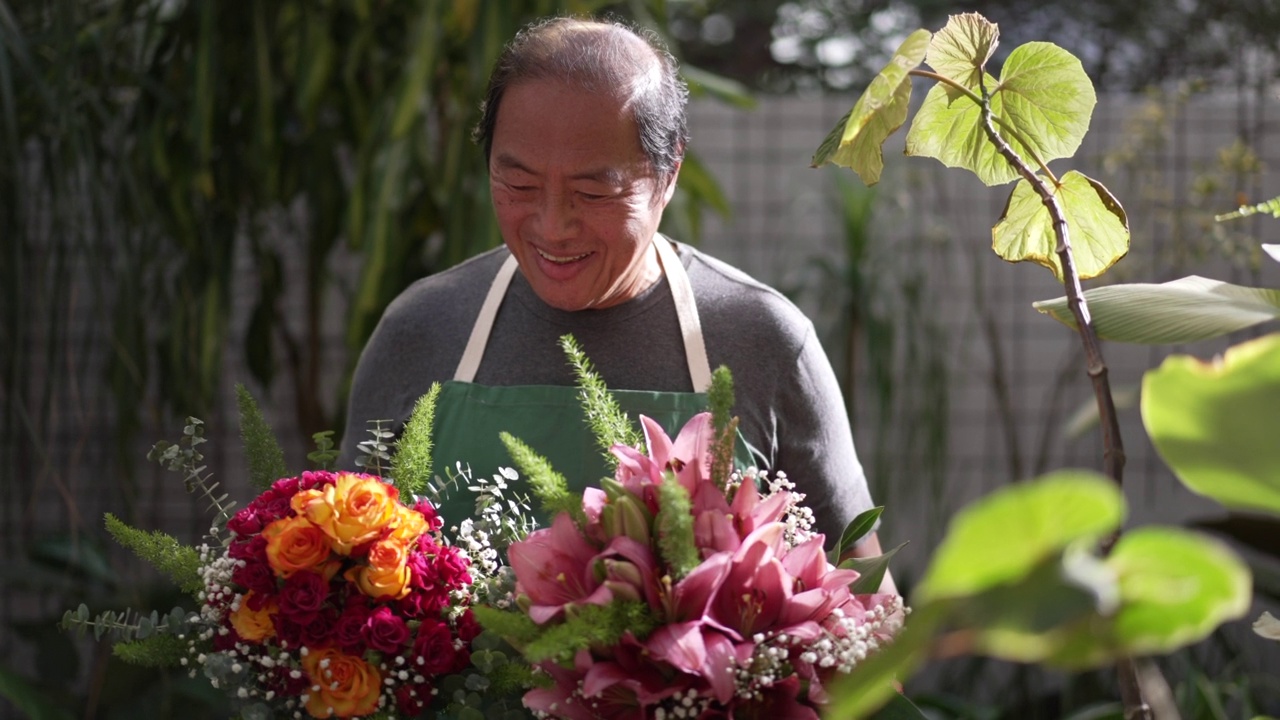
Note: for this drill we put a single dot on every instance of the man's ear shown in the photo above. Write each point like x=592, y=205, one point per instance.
x=670, y=190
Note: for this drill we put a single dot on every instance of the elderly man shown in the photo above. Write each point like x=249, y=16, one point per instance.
x=584, y=129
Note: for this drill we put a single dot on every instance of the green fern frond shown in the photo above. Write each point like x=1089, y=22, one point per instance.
x=548, y=485
x=592, y=626
x=411, y=465
x=608, y=423
x=180, y=562
x=674, y=525
x=1271, y=207
x=156, y=651
x=266, y=459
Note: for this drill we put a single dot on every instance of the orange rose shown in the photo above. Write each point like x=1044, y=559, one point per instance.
x=341, y=685
x=352, y=511
x=295, y=544
x=387, y=574
x=409, y=525
x=254, y=625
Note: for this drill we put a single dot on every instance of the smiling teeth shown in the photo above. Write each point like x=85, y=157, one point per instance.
x=558, y=259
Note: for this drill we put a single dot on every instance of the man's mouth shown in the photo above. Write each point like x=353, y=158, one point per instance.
x=559, y=259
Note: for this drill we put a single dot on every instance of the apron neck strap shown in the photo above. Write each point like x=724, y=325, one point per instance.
x=695, y=348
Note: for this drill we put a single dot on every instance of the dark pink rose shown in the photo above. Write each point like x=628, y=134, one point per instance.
x=318, y=631
x=254, y=548
x=412, y=699
x=385, y=631
x=423, y=603
x=302, y=596
x=452, y=568
x=348, y=633
x=246, y=522
x=256, y=576
x=468, y=628
x=429, y=512
x=433, y=650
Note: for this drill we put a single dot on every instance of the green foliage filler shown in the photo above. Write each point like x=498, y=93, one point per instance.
x=608, y=423
x=411, y=465
x=550, y=486
x=180, y=562
x=513, y=625
x=591, y=625
x=720, y=398
x=674, y=525
x=158, y=651
x=266, y=459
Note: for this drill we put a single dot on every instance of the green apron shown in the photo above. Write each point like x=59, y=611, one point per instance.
x=548, y=418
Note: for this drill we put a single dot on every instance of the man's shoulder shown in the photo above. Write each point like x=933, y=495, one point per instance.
x=460, y=287
x=727, y=287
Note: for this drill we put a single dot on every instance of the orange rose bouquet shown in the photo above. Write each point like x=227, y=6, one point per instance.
x=332, y=594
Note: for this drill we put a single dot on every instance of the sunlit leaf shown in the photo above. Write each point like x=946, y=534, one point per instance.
x=856, y=141
x=1048, y=98
x=1217, y=424
x=1179, y=311
x=961, y=49
x=1273, y=251
x=1018, y=527
x=1098, y=227
x=1176, y=587
x=1042, y=103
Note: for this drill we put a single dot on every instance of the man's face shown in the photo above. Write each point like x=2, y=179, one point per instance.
x=576, y=199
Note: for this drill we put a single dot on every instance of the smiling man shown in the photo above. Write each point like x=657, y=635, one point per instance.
x=584, y=129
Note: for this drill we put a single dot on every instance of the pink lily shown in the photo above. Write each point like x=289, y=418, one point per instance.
x=553, y=568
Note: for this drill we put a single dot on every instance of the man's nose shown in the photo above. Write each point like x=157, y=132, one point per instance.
x=558, y=216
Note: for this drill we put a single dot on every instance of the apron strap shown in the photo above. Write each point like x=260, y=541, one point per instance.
x=695, y=347
x=470, y=361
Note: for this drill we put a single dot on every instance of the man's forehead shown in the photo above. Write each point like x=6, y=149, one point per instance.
x=607, y=173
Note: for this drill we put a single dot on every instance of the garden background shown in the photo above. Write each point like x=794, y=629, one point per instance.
x=236, y=201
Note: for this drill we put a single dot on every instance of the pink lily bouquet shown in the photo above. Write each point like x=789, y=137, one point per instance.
x=676, y=593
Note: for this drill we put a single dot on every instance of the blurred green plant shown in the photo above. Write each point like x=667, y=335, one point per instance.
x=1039, y=572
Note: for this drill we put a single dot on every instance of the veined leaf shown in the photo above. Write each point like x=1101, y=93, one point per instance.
x=1098, y=226
x=961, y=49
x=1042, y=105
x=1180, y=311
x=1217, y=424
x=1048, y=98
x=855, y=142
x=1016, y=528
x=1273, y=251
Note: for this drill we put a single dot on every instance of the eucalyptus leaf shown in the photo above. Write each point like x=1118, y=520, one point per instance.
x=1180, y=311
x=856, y=141
x=1016, y=528
x=1098, y=227
x=1217, y=424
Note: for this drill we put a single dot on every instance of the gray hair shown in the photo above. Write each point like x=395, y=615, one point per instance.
x=605, y=57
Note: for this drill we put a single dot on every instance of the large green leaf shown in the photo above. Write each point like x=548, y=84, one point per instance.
x=1098, y=227
x=856, y=141
x=1042, y=106
x=1217, y=424
x=961, y=49
x=1176, y=587
x=1180, y=311
x=1008, y=534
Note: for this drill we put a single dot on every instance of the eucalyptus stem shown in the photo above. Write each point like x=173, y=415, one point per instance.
x=1135, y=706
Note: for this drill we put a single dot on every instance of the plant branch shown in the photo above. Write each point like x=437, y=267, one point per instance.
x=1113, y=448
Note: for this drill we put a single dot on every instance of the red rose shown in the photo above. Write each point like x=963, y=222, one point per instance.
x=429, y=512
x=318, y=631
x=302, y=596
x=257, y=576
x=348, y=633
x=246, y=522
x=385, y=631
x=433, y=649
x=412, y=699
x=468, y=628
x=254, y=548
